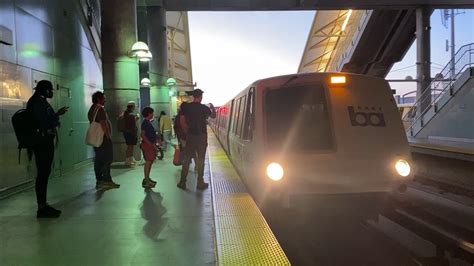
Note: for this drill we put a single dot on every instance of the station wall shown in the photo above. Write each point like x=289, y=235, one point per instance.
x=455, y=122
x=49, y=42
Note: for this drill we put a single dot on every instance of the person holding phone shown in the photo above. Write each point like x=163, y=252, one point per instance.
x=46, y=120
x=193, y=122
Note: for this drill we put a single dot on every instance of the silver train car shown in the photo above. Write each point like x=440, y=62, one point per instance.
x=326, y=135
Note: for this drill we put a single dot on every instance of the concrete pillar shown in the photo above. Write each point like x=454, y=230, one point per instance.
x=143, y=36
x=423, y=57
x=157, y=42
x=120, y=72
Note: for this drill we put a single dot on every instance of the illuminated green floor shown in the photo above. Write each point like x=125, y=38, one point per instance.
x=132, y=226
x=125, y=226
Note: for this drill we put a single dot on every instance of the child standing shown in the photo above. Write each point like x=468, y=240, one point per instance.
x=148, y=145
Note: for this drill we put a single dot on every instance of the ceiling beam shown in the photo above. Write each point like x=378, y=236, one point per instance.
x=261, y=5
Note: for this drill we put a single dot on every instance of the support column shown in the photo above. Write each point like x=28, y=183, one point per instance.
x=423, y=57
x=159, y=92
x=120, y=72
x=143, y=36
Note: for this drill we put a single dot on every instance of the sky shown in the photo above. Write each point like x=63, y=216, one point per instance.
x=464, y=34
x=230, y=50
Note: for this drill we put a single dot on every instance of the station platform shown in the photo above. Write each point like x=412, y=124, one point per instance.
x=450, y=148
x=134, y=226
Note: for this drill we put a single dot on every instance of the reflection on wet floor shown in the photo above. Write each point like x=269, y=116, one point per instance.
x=400, y=234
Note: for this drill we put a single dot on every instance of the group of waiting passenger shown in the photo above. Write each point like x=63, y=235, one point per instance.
x=190, y=128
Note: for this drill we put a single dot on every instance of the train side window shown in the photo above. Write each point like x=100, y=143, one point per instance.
x=249, y=115
x=235, y=115
x=218, y=119
x=238, y=116
x=226, y=119
x=241, y=115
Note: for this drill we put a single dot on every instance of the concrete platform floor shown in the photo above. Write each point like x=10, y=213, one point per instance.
x=125, y=226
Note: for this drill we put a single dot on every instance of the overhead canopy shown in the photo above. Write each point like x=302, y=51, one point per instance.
x=179, y=52
x=245, y=5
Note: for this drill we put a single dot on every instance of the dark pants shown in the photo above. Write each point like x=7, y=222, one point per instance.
x=196, y=146
x=44, y=155
x=103, y=159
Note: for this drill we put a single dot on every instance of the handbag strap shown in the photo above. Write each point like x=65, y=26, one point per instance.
x=95, y=112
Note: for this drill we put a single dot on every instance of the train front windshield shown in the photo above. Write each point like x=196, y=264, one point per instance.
x=297, y=119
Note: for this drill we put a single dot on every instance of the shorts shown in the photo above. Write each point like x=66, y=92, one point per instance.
x=130, y=139
x=149, y=151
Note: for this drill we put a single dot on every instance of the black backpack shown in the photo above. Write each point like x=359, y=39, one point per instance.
x=26, y=131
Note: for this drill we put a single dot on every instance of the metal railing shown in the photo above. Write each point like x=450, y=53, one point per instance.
x=441, y=84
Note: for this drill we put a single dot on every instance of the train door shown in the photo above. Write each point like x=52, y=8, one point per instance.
x=239, y=141
x=231, y=128
x=248, y=147
x=234, y=134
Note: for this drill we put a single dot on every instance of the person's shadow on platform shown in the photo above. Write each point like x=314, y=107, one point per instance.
x=152, y=210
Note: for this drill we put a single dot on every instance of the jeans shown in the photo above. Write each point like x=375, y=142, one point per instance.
x=167, y=139
x=103, y=159
x=44, y=155
x=196, y=146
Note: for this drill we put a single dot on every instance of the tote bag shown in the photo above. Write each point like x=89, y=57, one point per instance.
x=95, y=134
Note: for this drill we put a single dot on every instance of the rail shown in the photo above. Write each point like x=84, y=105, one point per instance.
x=441, y=84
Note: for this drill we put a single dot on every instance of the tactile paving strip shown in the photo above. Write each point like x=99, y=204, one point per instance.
x=252, y=221
x=243, y=236
x=229, y=186
x=252, y=255
x=237, y=204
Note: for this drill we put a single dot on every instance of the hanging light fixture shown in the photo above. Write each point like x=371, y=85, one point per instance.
x=146, y=57
x=139, y=49
x=170, y=82
x=145, y=82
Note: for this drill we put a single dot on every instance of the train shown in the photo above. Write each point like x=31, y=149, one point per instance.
x=329, y=136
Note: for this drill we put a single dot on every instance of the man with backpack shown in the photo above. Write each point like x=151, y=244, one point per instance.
x=45, y=120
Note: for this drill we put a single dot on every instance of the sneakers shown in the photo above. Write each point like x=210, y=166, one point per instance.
x=129, y=162
x=148, y=183
x=48, y=212
x=106, y=185
x=111, y=184
x=202, y=185
x=181, y=185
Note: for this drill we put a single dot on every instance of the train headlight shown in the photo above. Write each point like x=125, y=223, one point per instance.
x=275, y=171
x=403, y=167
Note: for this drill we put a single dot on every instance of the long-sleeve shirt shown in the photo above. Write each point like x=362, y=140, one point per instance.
x=165, y=123
x=42, y=112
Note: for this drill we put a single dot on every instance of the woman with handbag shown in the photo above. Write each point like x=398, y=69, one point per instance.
x=103, y=153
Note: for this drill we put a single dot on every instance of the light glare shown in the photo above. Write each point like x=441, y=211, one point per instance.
x=344, y=25
x=338, y=80
x=275, y=171
x=403, y=168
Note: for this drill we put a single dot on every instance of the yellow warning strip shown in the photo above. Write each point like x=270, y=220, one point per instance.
x=243, y=236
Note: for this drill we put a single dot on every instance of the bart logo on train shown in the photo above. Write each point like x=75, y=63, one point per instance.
x=361, y=118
